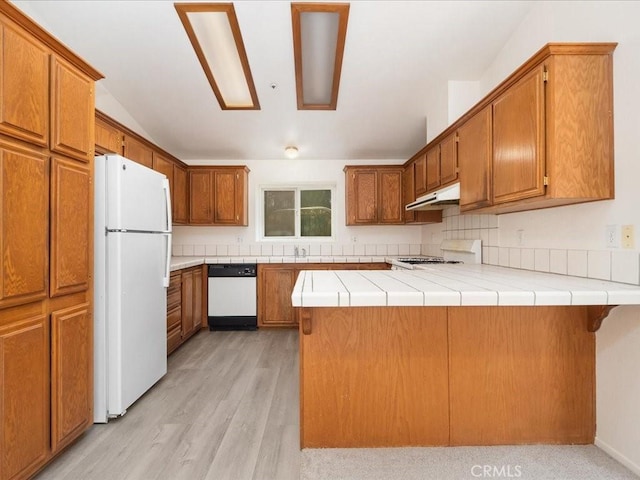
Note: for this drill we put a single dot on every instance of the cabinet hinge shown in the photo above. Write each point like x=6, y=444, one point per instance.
x=545, y=75
x=457, y=138
x=545, y=180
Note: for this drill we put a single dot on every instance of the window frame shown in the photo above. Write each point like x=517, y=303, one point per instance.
x=297, y=188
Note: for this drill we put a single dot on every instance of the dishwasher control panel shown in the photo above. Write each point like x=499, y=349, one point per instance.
x=232, y=270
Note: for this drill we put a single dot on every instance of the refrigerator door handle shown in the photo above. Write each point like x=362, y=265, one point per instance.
x=165, y=185
x=167, y=267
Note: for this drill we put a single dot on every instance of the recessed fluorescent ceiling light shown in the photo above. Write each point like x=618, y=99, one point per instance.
x=319, y=32
x=215, y=36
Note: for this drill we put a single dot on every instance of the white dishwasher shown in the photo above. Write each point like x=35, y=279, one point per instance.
x=232, y=299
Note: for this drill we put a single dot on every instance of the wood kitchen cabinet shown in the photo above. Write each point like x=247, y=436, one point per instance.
x=185, y=306
x=72, y=111
x=218, y=195
x=449, y=160
x=374, y=195
x=416, y=216
x=180, y=197
x=420, y=172
x=46, y=237
x=474, y=158
x=138, y=151
x=275, y=282
x=433, y=168
x=550, y=134
x=109, y=139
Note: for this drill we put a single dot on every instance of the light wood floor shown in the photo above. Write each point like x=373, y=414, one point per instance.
x=227, y=409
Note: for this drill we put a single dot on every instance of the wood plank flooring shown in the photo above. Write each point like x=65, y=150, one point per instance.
x=227, y=409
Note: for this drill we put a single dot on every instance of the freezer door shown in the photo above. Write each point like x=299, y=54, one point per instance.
x=137, y=198
x=136, y=317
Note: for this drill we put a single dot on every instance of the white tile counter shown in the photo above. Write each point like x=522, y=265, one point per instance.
x=178, y=263
x=455, y=285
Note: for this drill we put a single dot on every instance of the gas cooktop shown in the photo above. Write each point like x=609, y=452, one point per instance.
x=419, y=260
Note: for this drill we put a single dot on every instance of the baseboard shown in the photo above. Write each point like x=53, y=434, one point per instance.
x=634, y=467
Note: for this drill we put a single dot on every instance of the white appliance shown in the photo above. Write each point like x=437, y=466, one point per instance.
x=449, y=195
x=132, y=257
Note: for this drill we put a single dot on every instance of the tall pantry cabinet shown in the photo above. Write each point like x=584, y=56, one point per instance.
x=46, y=242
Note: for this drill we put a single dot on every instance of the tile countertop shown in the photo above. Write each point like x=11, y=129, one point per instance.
x=455, y=285
x=178, y=263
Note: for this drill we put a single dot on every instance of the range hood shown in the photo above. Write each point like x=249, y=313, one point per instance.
x=437, y=200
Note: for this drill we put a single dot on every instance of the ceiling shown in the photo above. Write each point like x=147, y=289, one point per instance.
x=397, y=55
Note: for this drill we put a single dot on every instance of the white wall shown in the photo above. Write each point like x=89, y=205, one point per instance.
x=378, y=240
x=581, y=228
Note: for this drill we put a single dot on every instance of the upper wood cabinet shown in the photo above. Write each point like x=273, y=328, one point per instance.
x=518, y=132
x=218, y=195
x=108, y=138
x=374, y=195
x=542, y=138
x=180, y=199
x=138, y=151
x=551, y=137
x=24, y=88
x=420, y=174
x=433, y=168
x=449, y=159
x=72, y=111
x=474, y=158
x=416, y=216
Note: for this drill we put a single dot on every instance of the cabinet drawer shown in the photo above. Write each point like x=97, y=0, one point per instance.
x=174, y=298
x=174, y=338
x=174, y=318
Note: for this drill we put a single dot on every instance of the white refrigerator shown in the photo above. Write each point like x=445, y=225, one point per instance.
x=132, y=257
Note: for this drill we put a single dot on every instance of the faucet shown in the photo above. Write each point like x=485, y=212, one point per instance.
x=296, y=252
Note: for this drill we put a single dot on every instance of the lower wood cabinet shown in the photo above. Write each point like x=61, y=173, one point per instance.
x=275, y=285
x=185, y=306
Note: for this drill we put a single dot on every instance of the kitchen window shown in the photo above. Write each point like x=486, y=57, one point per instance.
x=297, y=212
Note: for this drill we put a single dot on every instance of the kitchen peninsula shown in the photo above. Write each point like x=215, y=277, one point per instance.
x=449, y=355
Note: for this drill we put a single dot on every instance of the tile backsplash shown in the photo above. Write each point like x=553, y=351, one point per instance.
x=615, y=265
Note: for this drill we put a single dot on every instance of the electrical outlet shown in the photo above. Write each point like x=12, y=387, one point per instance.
x=354, y=239
x=239, y=239
x=612, y=239
x=628, y=240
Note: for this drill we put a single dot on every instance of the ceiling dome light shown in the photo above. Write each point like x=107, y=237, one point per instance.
x=291, y=152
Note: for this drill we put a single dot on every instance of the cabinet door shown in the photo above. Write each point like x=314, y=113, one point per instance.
x=198, y=307
x=24, y=86
x=362, y=197
x=275, y=284
x=71, y=374
x=408, y=192
x=421, y=175
x=108, y=138
x=518, y=140
x=225, y=187
x=24, y=396
x=433, y=168
x=180, y=197
x=137, y=151
x=72, y=112
x=24, y=225
x=200, y=197
x=187, y=303
x=164, y=166
x=390, y=204
x=71, y=227
x=448, y=160
x=474, y=158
